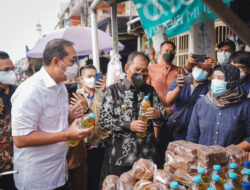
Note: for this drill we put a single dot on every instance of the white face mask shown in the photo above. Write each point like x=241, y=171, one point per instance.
x=71, y=71
x=89, y=82
x=8, y=77
x=223, y=57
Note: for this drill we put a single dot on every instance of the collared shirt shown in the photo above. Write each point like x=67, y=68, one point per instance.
x=161, y=78
x=39, y=104
x=6, y=142
x=210, y=126
x=184, y=97
x=120, y=107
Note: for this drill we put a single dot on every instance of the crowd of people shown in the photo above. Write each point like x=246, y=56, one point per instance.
x=210, y=99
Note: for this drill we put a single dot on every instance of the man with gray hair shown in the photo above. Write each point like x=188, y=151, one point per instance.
x=119, y=113
x=40, y=113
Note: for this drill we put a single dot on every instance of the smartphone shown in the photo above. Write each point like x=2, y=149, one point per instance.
x=199, y=58
x=188, y=79
x=98, y=76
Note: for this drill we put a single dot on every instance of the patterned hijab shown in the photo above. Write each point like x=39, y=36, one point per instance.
x=234, y=94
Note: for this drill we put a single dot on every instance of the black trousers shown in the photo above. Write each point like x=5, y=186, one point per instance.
x=7, y=183
x=94, y=166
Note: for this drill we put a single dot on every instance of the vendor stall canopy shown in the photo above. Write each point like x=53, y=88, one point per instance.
x=175, y=16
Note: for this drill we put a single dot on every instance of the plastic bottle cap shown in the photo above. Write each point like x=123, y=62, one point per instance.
x=245, y=185
x=215, y=177
x=233, y=166
x=92, y=115
x=246, y=164
x=217, y=167
x=211, y=188
x=201, y=171
x=228, y=186
x=247, y=171
x=233, y=175
x=197, y=179
x=146, y=97
x=174, y=185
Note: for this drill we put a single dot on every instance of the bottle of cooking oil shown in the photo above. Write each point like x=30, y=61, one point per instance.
x=145, y=104
x=216, y=183
x=197, y=184
x=234, y=181
x=86, y=122
x=217, y=171
x=228, y=186
x=246, y=177
x=233, y=167
x=245, y=186
x=204, y=177
x=246, y=165
x=174, y=185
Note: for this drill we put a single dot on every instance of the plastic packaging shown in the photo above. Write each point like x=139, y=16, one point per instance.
x=182, y=163
x=145, y=104
x=183, y=177
x=234, y=181
x=163, y=177
x=141, y=184
x=216, y=183
x=143, y=169
x=86, y=122
x=197, y=184
x=236, y=155
x=110, y=182
x=126, y=182
x=156, y=186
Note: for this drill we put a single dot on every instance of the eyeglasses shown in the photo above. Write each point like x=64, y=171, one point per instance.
x=7, y=69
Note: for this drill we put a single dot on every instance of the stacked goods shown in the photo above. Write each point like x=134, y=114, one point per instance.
x=143, y=176
x=183, y=158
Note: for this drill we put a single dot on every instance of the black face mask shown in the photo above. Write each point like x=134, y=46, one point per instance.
x=71, y=88
x=138, y=79
x=168, y=57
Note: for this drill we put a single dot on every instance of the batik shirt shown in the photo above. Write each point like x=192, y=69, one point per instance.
x=120, y=107
x=6, y=143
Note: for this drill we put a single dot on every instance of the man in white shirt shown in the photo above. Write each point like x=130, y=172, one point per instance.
x=40, y=113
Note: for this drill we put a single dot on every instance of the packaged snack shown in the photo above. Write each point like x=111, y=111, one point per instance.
x=143, y=169
x=126, y=182
x=110, y=182
x=163, y=177
x=236, y=155
x=184, y=177
x=156, y=186
x=180, y=162
x=141, y=184
x=169, y=168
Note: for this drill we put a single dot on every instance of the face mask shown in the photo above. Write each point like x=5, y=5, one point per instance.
x=199, y=75
x=89, y=82
x=223, y=57
x=168, y=57
x=138, y=79
x=8, y=77
x=218, y=87
x=242, y=75
x=71, y=71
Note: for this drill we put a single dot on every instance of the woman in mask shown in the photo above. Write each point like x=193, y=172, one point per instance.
x=241, y=59
x=222, y=117
x=184, y=89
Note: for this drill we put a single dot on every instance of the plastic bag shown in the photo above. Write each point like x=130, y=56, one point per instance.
x=156, y=186
x=236, y=154
x=126, y=182
x=141, y=184
x=143, y=169
x=164, y=177
x=110, y=182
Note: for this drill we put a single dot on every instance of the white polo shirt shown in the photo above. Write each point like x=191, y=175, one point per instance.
x=39, y=104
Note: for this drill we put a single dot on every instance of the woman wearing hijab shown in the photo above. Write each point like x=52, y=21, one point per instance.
x=222, y=117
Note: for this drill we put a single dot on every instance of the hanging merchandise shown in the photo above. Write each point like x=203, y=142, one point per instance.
x=114, y=68
x=202, y=37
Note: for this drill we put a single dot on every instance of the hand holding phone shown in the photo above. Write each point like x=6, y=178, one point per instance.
x=98, y=77
x=199, y=58
x=188, y=79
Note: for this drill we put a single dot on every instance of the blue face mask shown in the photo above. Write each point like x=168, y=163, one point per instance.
x=218, y=87
x=199, y=75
